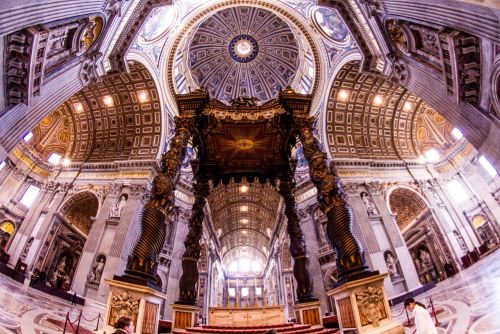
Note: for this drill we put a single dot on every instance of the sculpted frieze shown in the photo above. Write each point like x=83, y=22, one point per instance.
x=371, y=306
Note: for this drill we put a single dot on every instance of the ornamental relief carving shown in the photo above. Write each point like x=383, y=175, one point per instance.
x=123, y=304
x=371, y=306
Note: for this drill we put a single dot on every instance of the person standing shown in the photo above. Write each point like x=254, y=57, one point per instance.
x=423, y=321
x=124, y=325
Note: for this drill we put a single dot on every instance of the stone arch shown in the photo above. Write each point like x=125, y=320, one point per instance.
x=79, y=209
x=421, y=201
x=482, y=225
x=426, y=243
x=371, y=117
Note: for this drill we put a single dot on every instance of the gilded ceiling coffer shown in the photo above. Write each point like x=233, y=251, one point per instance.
x=189, y=278
x=297, y=244
x=143, y=262
x=331, y=197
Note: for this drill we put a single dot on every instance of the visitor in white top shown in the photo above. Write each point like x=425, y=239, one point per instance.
x=423, y=321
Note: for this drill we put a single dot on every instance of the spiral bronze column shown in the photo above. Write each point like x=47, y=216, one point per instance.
x=331, y=197
x=142, y=263
x=297, y=245
x=189, y=278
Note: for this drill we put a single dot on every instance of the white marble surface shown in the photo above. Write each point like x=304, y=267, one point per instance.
x=468, y=303
x=29, y=311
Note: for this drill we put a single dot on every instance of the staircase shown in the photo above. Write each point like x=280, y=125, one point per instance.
x=281, y=329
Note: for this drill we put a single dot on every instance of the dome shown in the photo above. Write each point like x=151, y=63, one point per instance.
x=243, y=51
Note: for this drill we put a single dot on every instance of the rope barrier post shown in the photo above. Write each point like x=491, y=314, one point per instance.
x=98, y=318
x=434, y=311
x=66, y=322
x=79, y=319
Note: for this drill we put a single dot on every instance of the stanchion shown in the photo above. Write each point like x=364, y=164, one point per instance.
x=79, y=319
x=434, y=311
x=66, y=322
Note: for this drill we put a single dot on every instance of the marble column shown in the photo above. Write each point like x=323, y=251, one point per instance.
x=456, y=214
x=25, y=231
x=41, y=232
x=472, y=176
x=190, y=275
x=297, y=245
x=443, y=219
x=93, y=240
x=117, y=234
x=395, y=237
x=331, y=197
x=142, y=263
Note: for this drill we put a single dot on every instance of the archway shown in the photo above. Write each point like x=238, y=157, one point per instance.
x=7, y=229
x=483, y=228
x=74, y=223
x=429, y=251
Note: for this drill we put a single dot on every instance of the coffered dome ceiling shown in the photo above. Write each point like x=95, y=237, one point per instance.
x=243, y=51
x=118, y=118
x=369, y=117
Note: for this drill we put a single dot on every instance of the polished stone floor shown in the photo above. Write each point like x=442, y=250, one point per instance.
x=467, y=303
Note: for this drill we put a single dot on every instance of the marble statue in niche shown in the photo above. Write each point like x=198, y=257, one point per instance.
x=116, y=210
x=26, y=249
x=370, y=207
x=425, y=259
x=60, y=278
x=94, y=277
x=392, y=268
x=460, y=240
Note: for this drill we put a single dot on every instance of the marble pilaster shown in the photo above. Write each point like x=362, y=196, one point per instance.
x=455, y=212
x=396, y=239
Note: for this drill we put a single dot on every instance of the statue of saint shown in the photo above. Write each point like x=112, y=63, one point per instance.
x=61, y=267
x=391, y=266
x=97, y=269
x=117, y=209
x=425, y=258
x=370, y=207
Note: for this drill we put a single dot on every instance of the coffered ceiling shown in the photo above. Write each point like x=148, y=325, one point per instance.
x=244, y=216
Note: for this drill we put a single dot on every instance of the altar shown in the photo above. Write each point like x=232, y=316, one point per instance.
x=247, y=316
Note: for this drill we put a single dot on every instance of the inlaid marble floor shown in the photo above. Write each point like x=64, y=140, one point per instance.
x=29, y=311
x=467, y=303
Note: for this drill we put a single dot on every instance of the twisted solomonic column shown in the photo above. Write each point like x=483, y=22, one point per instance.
x=189, y=278
x=331, y=197
x=142, y=263
x=297, y=244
